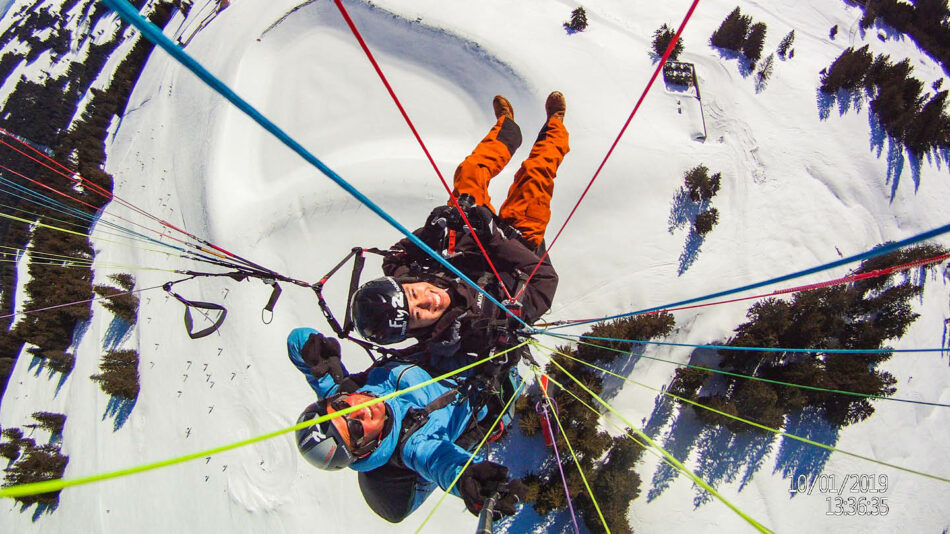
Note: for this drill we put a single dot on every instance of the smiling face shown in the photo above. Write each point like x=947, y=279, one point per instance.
x=427, y=303
x=372, y=418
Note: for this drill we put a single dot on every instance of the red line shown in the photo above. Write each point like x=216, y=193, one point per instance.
x=666, y=55
x=809, y=287
x=379, y=71
x=31, y=147
x=93, y=207
x=104, y=193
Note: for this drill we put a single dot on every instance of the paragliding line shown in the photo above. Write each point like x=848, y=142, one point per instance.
x=730, y=416
x=128, y=13
x=549, y=405
x=809, y=287
x=392, y=93
x=36, y=488
x=659, y=68
x=759, y=378
x=474, y=453
x=877, y=251
x=669, y=457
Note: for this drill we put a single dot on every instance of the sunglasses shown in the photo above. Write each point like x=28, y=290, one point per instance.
x=354, y=426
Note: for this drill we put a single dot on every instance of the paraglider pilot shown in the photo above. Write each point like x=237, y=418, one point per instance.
x=420, y=298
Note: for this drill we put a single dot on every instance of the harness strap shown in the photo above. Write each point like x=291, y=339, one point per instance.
x=415, y=419
x=189, y=322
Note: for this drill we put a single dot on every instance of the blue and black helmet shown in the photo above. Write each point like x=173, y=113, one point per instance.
x=321, y=444
x=380, y=311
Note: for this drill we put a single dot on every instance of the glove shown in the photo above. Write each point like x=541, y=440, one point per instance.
x=483, y=221
x=483, y=480
x=322, y=354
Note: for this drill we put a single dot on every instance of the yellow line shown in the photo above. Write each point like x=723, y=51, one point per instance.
x=36, y=488
x=700, y=482
x=472, y=456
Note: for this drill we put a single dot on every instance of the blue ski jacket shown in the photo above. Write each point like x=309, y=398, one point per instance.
x=431, y=450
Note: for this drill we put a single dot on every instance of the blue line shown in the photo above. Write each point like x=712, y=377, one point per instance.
x=873, y=253
x=748, y=349
x=152, y=33
x=50, y=203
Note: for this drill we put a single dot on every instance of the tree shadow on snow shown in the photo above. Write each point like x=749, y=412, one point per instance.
x=119, y=408
x=798, y=460
x=41, y=510
x=117, y=332
x=723, y=456
x=37, y=365
x=848, y=100
x=679, y=441
x=746, y=68
x=683, y=214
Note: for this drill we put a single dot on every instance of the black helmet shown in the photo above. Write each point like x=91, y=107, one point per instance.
x=380, y=311
x=322, y=445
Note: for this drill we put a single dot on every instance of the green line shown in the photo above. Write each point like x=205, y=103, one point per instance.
x=472, y=455
x=760, y=379
x=35, y=488
x=757, y=425
x=622, y=430
x=75, y=265
x=8, y=216
x=577, y=462
x=696, y=479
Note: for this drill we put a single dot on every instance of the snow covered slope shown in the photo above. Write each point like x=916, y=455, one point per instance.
x=798, y=190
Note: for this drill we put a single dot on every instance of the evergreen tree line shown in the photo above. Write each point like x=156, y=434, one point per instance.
x=917, y=120
x=42, y=113
x=925, y=21
x=861, y=315
x=607, y=462
x=740, y=34
x=29, y=462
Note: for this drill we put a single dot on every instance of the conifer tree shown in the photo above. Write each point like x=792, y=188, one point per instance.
x=785, y=46
x=705, y=221
x=53, y=422
x=848, y=71
x=732, y=32
x=765, y=70
x=754, y=43
x=662, y=38
x=578, y=22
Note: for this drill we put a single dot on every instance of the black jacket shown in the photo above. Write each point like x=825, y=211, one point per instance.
x=471, y=324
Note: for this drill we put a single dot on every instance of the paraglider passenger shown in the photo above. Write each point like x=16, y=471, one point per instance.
x=402, y=448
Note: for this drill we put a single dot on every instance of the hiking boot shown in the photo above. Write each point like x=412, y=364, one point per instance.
x=555, y=105
x=502, y=107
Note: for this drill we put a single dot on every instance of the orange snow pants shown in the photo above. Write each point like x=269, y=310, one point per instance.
x=528, y=206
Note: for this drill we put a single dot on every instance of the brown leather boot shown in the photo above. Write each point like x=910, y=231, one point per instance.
x=555, y=105
x=502, y=107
